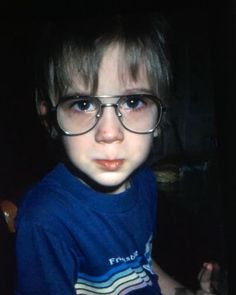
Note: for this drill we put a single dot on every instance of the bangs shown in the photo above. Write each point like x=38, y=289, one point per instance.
x=78, y=54
x=77, y=63
x=136, y=59
x=137, y=56
x=74, y=62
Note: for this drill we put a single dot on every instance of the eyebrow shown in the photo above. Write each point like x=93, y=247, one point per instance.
x=139, y=90
x=77, y=93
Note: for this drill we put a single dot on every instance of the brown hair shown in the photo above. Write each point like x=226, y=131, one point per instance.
x=77, y=48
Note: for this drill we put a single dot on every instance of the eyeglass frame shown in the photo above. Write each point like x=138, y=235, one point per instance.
x=99, y=113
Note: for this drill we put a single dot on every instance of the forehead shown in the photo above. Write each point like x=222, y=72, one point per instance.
x=114, y=75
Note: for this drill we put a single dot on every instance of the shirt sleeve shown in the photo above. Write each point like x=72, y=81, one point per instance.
x=45, y=262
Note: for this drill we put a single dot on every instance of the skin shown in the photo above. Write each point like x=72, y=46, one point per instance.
x=109, y=153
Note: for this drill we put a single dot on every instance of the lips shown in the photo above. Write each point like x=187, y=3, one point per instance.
x=110, y=165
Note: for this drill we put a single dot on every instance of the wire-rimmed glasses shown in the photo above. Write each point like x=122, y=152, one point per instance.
x=138, y=113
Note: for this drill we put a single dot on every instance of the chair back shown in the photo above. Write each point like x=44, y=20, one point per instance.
x=9, y=210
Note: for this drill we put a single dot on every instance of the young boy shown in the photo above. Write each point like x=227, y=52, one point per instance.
x=87, y=226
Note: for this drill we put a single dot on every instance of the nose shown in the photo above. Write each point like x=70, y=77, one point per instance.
x=109, y=128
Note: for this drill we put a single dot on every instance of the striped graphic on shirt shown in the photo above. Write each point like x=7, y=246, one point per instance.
x=121, y=280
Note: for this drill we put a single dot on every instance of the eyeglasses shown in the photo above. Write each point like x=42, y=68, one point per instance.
x=138, y=113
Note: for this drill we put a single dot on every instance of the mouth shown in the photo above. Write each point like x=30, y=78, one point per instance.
x=110, y=165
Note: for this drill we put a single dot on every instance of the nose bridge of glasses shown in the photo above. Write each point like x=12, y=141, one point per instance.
x=109, y=105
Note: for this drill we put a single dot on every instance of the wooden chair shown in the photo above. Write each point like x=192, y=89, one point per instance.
x=9, y=210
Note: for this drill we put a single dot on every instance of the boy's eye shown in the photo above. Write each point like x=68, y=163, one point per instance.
x=133, y=103
x=83, y=105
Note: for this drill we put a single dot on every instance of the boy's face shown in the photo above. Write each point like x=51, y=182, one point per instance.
x=108, y=154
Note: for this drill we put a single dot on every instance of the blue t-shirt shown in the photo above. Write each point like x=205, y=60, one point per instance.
x=73, y=240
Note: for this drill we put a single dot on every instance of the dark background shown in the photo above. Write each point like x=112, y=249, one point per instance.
x=196, y=216
x=201, y=54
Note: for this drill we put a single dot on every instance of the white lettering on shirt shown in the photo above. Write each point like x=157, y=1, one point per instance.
x=116, y=260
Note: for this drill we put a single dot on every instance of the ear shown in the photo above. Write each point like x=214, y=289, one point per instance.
x=43, y=110
x=41, y=105
x=157, y=132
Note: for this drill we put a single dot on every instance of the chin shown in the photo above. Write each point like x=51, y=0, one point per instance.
x=109, y=183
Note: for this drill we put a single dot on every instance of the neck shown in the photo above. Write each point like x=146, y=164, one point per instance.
x=95, y=185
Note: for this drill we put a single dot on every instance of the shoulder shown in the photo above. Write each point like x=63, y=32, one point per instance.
x=144, y=181
x=145, y=176
x=45, y=201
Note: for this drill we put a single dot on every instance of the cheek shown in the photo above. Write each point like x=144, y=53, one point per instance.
x=142, y=145
x=75, y=146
